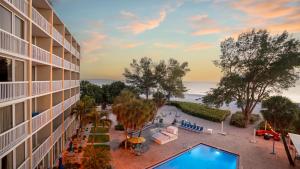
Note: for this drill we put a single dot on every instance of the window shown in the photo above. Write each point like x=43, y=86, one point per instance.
x=6, y=122
x=19, y=27
x=5, y=69
x=5, y=19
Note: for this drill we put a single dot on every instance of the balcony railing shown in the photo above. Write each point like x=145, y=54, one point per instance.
x=77, y=97
x=21, y=5
x=13, y=90
x=40, y=21
x=12, y=44
x=67, y=64
x=67, y=84
x=40, y=54
x=13, y=136
x=56, y=60
x=73, y=66
x=67, y=103
x=56, y=134
x=67, y=45
x=68, y=122
x=25, y=164
x=57, y=85
x=57, y=36
x=40, y=120
x=77, y=68
x=73, y=50
x=40, y=87
x=40, y=152
x=57, y=110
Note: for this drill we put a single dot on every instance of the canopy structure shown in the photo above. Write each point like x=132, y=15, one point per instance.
x=295, y=138
x=136, y=140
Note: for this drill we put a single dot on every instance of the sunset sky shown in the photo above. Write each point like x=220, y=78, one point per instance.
x=113, y=32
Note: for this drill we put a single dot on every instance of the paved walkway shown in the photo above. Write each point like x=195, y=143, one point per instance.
x=252, y=156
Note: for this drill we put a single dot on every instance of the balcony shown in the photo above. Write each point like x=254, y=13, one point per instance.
x=13, y=90
x=57, y=36
x=13, y=136
x=40, y=120
x=40, y=152
x=12, y=44
x=57, y=85
x=73, y=66
x=40, y=55
x=67, y=84
x=68, y=122
x=67, y=103
x=40, y=21
x=73, y=50
x=77, y=68
x=57, y=134
x=67, y=64
x=40, y=87
x=26, y=164
x=20, y=5
x=57, y=110
x=67, y=45
x=56, y=60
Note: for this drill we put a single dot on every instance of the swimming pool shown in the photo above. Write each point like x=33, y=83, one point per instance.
x=201, y=157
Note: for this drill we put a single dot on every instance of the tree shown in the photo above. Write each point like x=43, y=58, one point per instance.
x=83, y=107
x=141, y=75
x=255, y=65
x=92, y=90
x=169, y=77
x=281, y=113
x=132, y=112
x=98, y=158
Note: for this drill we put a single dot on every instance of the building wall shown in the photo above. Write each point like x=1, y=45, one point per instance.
x=39, y=84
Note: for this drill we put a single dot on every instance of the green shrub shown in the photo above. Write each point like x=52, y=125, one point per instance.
x=238, y=120
x=119, y=127
x=101, y=146
x=202, y=111
x=99, y=130
x=98, y=138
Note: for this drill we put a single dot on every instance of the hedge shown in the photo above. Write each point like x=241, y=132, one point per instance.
x=238, y=120
x=119, y=127
x=99, y=138
x=201, y=111
x=99, y=130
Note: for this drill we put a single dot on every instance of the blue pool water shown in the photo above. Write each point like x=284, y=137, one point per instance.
x=201, y=157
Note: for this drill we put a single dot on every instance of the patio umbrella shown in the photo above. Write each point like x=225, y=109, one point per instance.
x=136, y=140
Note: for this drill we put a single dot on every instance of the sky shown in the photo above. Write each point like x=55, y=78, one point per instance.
x=113, y=32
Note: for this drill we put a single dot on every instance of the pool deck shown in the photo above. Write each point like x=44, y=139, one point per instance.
x=237, y=140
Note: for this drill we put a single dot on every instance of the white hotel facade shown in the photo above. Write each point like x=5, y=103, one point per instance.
x=39, y=84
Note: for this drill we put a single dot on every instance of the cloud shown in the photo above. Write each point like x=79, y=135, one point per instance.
x=94, y=41
x=166, y=45
x=209, y=31
x=140, y=26
x=131, y=45
x=199, y=46
x=203, y=25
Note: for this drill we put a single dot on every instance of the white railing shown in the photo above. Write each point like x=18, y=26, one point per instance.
x=73, y=66
x=68, y=121
x=73, y=83
x=57, y=110
x=25, y=164
x=40, y=87
x=57, y=36
x=77, y=97
x=67, y=45
x=77, y=83
x=77, y=68
x=13, y=90
x=40, y=21
x=57, y=85
x=12, y=44
x=21, y=5
x=73, y=50
x=56, y=134
x=40, y=152
x=40, y=120
x=13, y=136
x=67, y=84
x=67, y=103
x=77, y=54
x=67, y=64
x=40, y=54
x=56, y=60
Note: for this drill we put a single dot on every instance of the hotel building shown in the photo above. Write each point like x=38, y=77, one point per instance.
x=39, y=84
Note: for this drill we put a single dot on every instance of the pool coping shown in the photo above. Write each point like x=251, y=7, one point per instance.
x=177, y=154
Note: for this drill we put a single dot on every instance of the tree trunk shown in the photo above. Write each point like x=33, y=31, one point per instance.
x=287, y=150
x=140, y=133
x=147, y=94
x=247, y=115
x=125, y=138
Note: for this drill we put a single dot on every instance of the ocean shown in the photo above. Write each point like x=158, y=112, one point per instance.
x=196, y=90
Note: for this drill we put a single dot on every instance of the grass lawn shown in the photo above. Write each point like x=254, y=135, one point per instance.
x=202, y=111
x=98, y=138
x=99, y=130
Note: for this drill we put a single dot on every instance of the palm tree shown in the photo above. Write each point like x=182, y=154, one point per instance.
x=83, y=107
x=281, y=113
